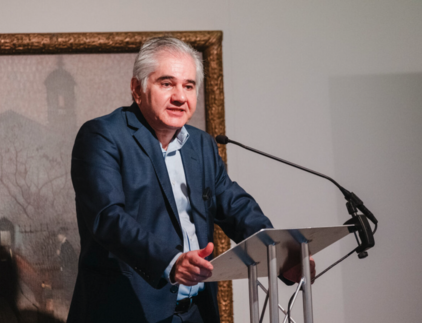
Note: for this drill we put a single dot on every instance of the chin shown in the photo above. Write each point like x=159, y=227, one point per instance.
x=175, y=125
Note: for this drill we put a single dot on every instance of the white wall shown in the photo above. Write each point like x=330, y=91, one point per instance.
x=287, y=66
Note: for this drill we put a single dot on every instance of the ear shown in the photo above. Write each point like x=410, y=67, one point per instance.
x=136, y=89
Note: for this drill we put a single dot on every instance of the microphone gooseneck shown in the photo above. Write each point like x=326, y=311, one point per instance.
x=353, y=202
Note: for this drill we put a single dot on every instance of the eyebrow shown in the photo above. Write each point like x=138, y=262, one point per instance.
x=172, y=78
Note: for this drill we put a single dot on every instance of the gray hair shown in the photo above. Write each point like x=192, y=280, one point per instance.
x=146, y=61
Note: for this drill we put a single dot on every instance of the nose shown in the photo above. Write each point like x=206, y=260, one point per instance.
x=179, y=96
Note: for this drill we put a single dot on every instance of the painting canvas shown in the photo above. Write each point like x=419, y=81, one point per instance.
x=44, y=99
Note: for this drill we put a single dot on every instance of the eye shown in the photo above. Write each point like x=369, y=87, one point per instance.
x=189, y=87
x=166, y=84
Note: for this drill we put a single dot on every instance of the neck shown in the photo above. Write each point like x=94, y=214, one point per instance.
x=165, y=137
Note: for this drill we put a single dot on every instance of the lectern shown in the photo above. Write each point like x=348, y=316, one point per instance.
x=270, y=252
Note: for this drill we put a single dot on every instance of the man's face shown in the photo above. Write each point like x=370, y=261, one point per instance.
x=170, y=97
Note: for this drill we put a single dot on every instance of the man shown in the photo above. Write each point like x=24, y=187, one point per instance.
x=68, y=263
x=149, y=189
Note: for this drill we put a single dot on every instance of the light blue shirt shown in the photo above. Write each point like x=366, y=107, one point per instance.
x=177, y=177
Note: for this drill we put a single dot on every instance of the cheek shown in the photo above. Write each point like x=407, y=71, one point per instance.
x=192, y=105
x=158, y=105
x=163, y=100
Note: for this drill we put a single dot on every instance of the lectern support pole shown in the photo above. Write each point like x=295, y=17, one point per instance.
x=306, y=287
x=272, y=283
x=261, y=250
x=253, y=293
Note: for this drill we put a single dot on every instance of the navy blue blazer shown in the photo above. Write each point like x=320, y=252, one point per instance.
x=128, y=221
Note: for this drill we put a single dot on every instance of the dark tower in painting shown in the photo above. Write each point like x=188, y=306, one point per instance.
x=61, y=100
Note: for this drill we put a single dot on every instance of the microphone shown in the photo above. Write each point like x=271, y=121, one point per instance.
x=361, y=223
x=221, y=139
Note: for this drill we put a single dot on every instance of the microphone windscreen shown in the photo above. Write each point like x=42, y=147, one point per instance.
x=221, y=139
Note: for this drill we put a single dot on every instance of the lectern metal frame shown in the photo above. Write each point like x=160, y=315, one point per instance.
x=270, y=252
x=273, y=286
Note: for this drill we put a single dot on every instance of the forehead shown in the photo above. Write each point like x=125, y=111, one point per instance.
x=175, y=64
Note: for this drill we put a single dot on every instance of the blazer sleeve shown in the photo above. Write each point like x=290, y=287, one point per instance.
x=100, y=200
x=237, y=213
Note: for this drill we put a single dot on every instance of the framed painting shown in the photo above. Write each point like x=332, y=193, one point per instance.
x=50, y=84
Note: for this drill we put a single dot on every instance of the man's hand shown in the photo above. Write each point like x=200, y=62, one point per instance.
x=191, y=268
x=294, y=274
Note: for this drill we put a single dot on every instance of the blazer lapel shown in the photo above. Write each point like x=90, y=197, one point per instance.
x=194, y=176
x=144, y=136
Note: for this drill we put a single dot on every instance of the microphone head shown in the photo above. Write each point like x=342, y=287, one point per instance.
x=221, y=139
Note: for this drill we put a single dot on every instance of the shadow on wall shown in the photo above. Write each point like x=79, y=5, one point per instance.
x=9, y=292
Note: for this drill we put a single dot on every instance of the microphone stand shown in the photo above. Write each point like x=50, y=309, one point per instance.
x=353, y=203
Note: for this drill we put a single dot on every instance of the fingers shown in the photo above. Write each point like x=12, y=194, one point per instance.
x=312, y=263
x=206, y=251
x=197, y=261
x=190, y=279
x=191, y=268
x=313, y=269
x=197, y=266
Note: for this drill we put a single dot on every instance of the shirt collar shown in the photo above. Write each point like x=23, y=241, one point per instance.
x=177, y=142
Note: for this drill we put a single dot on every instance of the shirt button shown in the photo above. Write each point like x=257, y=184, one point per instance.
x=173, y=289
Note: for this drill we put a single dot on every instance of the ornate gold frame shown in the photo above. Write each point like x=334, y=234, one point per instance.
x=208, y=42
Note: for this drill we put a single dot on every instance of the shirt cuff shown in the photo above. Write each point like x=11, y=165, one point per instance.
x=166, y=274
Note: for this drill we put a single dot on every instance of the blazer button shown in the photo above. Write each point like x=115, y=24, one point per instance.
x=174, y=289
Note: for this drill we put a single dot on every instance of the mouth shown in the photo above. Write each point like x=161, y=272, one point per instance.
x=176, y=111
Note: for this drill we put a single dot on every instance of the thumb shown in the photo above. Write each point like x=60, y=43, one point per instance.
x=206, y=251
